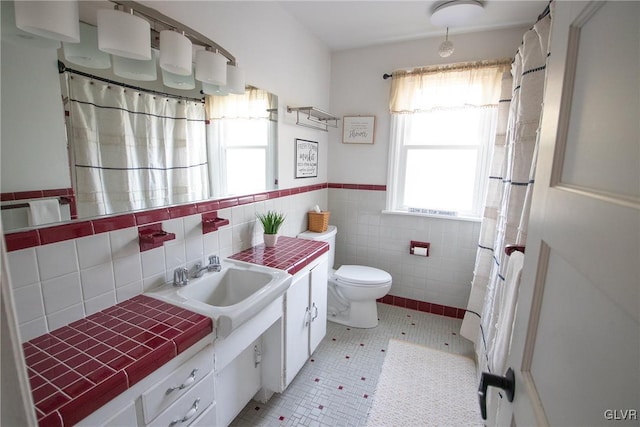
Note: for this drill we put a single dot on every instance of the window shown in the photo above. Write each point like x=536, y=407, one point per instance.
x=241, y=142
x=442, y=134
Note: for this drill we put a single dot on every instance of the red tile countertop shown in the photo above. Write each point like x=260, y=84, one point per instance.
x=290, y=254
x=76, y=369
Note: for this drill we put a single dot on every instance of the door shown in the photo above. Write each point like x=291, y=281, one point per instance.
x=318, y=327
x=576, y=342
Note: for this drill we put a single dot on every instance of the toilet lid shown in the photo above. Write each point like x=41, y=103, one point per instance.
x=362, y=275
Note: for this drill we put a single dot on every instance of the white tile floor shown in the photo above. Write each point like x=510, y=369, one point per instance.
x=336, y=386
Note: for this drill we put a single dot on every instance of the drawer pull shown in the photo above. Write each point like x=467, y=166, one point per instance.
x=187, y=383
x=188, y=415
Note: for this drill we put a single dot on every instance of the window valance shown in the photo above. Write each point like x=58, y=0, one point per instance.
x=253, y=104
x=474, y=84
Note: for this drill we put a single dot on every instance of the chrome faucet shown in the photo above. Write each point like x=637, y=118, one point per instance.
x=180, y=277
x=214, y=265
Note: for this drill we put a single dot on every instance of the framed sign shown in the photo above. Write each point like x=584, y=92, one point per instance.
x=306, y=158
x=358, y=129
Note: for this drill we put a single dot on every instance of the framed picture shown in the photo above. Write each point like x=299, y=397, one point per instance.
x=306, y=158
x=358, y=129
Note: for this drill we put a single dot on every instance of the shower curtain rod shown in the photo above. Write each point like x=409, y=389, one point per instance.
x=63, y=68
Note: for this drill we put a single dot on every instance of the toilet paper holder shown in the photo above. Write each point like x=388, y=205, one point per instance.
x=422, y=248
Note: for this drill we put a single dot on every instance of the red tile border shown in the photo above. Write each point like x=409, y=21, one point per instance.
x=22, y=240
x=104, y=225
x=45, y=235
x=425, y=307
x=59, y=233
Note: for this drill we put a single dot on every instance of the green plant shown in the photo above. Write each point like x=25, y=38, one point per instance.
x=271, y=221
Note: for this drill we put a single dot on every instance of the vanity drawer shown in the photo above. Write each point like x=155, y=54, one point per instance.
x=187, y=409
x=177, y=383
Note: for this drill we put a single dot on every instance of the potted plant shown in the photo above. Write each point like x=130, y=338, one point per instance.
x=271, y=222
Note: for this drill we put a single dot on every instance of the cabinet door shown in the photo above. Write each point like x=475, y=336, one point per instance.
x=297, y=330
x=318, y=304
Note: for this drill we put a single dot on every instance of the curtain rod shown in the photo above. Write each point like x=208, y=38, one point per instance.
x=63, y=68
x=454, y=66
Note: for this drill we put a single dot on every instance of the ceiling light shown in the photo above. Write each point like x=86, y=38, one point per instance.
x=176, y=53
x=455, y=13
x=86, y=53
x=124, y=34
x=446, y=47
x=57, y=20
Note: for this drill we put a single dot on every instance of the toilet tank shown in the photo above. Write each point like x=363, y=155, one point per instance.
x=328, y=236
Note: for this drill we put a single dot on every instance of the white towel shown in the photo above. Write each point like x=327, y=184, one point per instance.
x=44, y=211
x=506, y=315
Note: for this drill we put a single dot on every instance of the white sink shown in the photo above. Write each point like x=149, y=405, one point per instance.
x=231, y=296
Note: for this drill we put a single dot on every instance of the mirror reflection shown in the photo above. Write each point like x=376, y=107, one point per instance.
x=130, y=144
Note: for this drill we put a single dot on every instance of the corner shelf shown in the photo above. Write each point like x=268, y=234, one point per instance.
x=322, y=119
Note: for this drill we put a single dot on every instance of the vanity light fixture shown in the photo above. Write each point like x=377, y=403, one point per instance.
x=211, y=67
x=217, y=90
x=86, y=53
x=137, y=69
x=57, y=20
x=124, y=34
x=176, y=54
x=178, y=81
x=235, y=79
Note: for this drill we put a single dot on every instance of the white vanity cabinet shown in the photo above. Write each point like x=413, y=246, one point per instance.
x=305, y=315
x=182, y=390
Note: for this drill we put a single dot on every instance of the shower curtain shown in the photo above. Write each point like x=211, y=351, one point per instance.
x=506, y=213
x=134, y=150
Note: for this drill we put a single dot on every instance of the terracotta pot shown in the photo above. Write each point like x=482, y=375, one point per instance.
x=270, y=240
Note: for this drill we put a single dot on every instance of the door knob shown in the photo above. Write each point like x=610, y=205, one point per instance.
x=507, y=383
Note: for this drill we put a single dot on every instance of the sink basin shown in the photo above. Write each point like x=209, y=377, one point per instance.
x=230, y=297
x=232, y=286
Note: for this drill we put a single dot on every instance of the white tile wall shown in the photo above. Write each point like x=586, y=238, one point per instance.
x=59, y=283
x=368, y=237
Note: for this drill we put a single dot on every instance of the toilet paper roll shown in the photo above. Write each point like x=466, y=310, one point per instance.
x=420, y=251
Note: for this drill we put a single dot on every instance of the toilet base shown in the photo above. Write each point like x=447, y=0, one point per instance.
x=360, y=314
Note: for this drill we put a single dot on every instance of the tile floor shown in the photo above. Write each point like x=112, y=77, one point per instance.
x=336, y=386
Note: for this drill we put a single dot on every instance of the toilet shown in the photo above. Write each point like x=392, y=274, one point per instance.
x=352, y=289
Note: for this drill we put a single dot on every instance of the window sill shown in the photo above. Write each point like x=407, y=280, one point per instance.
x=425, y=215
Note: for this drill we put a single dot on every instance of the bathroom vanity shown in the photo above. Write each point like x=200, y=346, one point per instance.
x=151, y=362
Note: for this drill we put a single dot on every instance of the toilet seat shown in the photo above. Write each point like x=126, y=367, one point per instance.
x=362, y=276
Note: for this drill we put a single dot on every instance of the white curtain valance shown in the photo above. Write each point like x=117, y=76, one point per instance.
x=475, y=84
x=253, y=104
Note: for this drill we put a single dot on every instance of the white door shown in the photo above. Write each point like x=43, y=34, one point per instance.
x=576, y=342
x=297, y=318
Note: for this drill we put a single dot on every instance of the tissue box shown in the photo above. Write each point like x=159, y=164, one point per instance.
x=318, y=221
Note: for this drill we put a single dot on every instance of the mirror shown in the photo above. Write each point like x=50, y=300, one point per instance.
x=236, y=148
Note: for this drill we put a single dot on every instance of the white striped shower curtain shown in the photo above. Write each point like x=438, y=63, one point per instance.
x=134, y=150
x=506, y=214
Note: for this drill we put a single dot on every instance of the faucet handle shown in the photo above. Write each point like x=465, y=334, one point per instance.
x=214, y=259
x=180, y=277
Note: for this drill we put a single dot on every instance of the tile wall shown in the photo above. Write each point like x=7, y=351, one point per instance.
x=368, y=237
x=55, y=284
